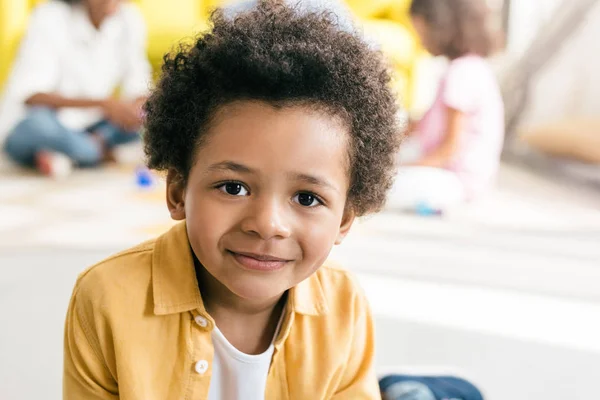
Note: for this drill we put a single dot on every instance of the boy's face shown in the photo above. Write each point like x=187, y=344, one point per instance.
x=266, y=198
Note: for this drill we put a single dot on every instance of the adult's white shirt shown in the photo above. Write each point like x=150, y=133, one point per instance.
x=63, y=53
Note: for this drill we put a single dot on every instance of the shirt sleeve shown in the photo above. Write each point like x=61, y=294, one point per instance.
x=359, y=380
x=85, y=373
x=36, y=68
x=138, y=72
x=461, y=86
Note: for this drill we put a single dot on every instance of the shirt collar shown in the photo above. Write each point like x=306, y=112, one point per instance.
x=175, y=287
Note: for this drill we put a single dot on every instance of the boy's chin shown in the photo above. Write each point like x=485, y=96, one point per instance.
x=257, y=292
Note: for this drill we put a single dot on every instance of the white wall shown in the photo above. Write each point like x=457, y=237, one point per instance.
x=526, y=18
x=568, y=86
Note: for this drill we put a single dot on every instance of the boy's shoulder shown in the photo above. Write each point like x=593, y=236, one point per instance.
x=339, y=286
x=334, y=273
x=131, y=268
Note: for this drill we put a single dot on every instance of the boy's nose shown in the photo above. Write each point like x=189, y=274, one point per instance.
x=267, y=220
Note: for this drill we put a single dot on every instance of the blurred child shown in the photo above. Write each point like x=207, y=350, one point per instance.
x=460, y=138
x=275, y=130
x=58, y=107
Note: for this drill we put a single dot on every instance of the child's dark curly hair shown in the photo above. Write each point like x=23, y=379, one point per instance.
x=277, y=54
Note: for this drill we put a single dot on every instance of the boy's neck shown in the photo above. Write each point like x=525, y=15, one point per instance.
x=248, y=325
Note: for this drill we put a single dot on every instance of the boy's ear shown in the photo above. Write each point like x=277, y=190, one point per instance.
x=347, y=221
x=175, y=195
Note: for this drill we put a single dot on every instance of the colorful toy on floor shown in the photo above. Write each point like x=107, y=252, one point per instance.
x=424, y=209
x=144, y=177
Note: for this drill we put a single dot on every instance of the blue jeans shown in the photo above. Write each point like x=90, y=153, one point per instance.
x=41, y=130
x=406, y=387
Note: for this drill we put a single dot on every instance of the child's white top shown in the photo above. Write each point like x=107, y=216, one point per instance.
x=236, y=375
x=63, y=53
x=469, y=86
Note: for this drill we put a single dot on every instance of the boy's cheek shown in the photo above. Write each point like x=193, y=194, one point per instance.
x=320, y=238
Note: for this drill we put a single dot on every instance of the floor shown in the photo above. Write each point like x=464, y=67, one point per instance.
x=506, y=292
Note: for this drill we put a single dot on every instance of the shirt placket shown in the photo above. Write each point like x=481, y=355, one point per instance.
x=277, y=383
x=202, y=352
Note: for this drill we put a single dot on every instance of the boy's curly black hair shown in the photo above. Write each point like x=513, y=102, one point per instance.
x=277, y=54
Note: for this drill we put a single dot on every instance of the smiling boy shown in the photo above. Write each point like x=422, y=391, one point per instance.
x=276, y=130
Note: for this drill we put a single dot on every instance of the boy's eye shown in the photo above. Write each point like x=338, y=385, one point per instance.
x=234, y=189
x=307, y=200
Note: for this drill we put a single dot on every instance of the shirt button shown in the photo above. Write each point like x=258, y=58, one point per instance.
x=201, y=321
x=201, y=366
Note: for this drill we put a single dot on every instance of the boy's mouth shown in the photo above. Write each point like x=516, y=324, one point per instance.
x=258, y=262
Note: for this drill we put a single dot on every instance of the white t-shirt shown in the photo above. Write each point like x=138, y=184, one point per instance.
x=236, y=375
x=63, y=53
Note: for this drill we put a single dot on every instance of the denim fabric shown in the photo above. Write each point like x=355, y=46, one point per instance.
x=405, y=387
x=41, y=130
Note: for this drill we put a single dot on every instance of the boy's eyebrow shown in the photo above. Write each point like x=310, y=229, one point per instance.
x=230, y=166
x=313, y=180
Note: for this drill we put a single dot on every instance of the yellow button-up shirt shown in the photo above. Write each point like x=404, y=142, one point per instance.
x=137, y=329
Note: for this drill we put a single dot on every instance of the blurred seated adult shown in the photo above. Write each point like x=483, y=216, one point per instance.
x=59, y=108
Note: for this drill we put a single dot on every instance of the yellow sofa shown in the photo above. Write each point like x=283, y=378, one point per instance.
x=13, y=19
x=389, y=23
x=170, y=22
